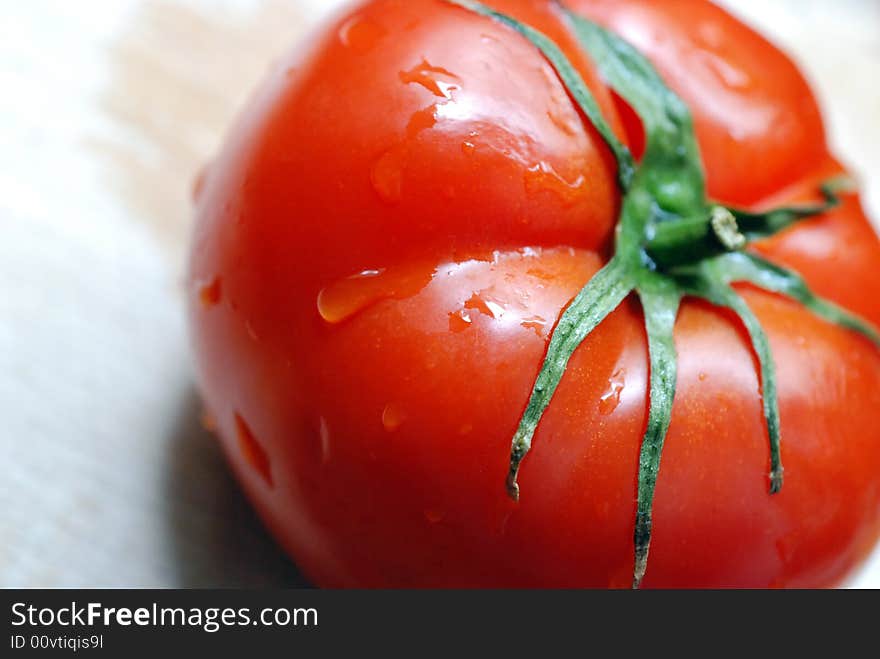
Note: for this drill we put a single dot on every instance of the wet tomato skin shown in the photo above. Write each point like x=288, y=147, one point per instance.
x=381, y=251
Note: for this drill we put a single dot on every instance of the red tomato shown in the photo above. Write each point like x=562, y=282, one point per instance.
x=383, y=247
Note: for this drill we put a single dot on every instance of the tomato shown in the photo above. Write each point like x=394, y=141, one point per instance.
x=384, y=245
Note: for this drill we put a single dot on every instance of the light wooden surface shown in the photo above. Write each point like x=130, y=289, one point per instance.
x=107, y=108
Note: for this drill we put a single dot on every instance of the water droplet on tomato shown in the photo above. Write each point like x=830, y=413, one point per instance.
x=324, y=435
x=786, y=547
x=422, y=120
x=485, y=305
x=495, y=309
x=211, y=293
x=253, y=453
x=536, y=323
x=251, y=332
x=348, y=296
x=729, y=75
x=434, y=516
x=538, y=273
x=710, y=34
x=565, y=120
x=560, y=111
x=360, y=34
x=502, y=527
x=459, y=320
x=468, y=148
x=386, y=176
x=342, y=299
x=435, y=79
x=393, y=417
x=611, y=398
x=544, y=177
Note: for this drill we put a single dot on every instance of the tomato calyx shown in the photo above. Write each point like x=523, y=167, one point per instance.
x=671, y=242
x=730, y=229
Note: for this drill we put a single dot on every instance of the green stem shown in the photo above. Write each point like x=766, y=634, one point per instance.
x=602, y=294
x=660, y=301
x=751, y=268
x=769, y=397
x=712, y=285
x=694, y=239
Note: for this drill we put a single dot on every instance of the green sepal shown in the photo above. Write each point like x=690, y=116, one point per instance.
x=727, y=229
x=671, y=164
x=758, y=271
x=602, y=294
x=660, y=298
x=755, y=226
x=711, y=283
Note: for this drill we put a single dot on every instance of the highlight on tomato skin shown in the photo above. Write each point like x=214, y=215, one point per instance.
x=383, y=249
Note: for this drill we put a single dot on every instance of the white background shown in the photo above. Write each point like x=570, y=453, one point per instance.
x=107, y=108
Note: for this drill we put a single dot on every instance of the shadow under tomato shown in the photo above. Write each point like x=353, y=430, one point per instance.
x=216, y=539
